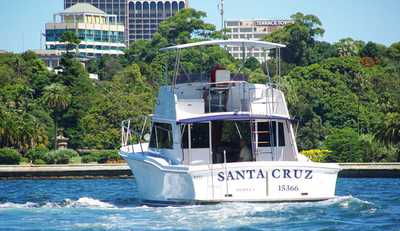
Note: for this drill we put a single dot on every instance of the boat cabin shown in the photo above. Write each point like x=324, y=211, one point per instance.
x=219, y=117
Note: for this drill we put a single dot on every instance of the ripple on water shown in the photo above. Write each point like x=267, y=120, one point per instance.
x=223, y=215
x=95, y=207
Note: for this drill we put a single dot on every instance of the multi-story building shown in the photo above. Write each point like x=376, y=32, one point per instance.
x=99, y=32
x=254, y=30
x=140, y=17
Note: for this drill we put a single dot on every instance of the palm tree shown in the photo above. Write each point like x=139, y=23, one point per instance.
x=57, y=98
x=390, y=131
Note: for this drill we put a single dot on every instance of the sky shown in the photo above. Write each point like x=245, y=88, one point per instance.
x=22, y=21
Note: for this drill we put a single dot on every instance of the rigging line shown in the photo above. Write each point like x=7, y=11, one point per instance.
x=237, y=128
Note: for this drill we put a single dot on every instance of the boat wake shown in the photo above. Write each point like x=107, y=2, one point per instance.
x=223, y=215
x=88, y=202
x=83, y=202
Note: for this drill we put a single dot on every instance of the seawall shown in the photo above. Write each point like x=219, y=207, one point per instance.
x=87, y=171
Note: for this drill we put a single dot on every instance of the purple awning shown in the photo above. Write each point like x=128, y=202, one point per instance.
x=235, y=117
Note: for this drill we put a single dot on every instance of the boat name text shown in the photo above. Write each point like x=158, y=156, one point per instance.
x=260, y=174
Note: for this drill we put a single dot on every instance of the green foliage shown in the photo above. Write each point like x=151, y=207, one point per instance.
x=9, y=156
x=299, y=37
x=349, y=47
x=105, y=66
x=37, y=154
x=70, y=39
x=89, y=159
x=102, y=157
x=24, y=160
x=349, y=88
x=186, y=23
x=23, y=122
x=252, y=64
x=373, y=50
x=61, y=156
x=39, y=162
x=317, y=155
x=345, y=146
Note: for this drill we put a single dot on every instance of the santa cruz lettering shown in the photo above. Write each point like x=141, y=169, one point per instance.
x=260, y=174
x=292, y=174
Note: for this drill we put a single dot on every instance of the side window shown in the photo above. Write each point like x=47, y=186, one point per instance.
x=185, y=136
x=281, y=134
x=161, y=136
x=266, y=134
x=199, y=136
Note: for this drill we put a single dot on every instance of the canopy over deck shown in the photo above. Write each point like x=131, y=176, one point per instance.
x=230, y=42
x=233, y=116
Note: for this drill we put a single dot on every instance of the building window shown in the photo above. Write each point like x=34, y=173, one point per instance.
x=153, y=9
x=168, y=11
x=232, y=23
x=174, y=7
x=161, y=136
x=146, y=11
x=246, y=30
x=181, y=5
x=160, y=9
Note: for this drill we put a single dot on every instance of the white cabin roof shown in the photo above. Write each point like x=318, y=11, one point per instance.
x=230, y=42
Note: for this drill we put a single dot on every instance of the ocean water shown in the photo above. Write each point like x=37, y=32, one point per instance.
x=361, y=204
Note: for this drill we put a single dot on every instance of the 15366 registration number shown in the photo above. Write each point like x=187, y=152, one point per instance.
x=288, y=188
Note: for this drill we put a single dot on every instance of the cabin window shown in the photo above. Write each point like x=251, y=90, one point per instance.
x=161, y=136
x=281, y=134
x=199, y=136
x=267, y=134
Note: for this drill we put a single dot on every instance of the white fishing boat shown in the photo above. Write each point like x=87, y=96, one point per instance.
x=221, y=138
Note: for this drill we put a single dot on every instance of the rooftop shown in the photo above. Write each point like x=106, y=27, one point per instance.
x=81, y=8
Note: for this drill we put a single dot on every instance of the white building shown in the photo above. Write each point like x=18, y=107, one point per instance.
x=99, y=33
x=253, y=30
x=140, y=17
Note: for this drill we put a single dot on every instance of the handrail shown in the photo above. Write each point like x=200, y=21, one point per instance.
x=133, y=126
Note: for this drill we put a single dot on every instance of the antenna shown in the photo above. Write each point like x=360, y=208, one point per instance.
x=41, y=40
x=221, y=11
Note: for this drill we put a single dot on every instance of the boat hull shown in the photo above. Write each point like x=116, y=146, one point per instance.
x=263, y=181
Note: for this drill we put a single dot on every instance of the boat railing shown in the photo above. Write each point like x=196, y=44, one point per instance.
x=133, y=130
x=205, y=77
x=235, y=96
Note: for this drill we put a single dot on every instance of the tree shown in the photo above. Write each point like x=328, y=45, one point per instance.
x=105, y=66
x=389, y=132
x=373, y=50
x=70, y=39
x=252, y=63
x=349, y=47
x=345, y=146
x=185, y=25
x=299, y=37
x=57, y=98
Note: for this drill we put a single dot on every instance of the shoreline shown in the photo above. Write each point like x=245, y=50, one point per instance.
x=122, y=171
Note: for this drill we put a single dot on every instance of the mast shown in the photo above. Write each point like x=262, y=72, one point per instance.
x=221, y=11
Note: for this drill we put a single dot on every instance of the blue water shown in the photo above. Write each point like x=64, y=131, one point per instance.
x=362, y=204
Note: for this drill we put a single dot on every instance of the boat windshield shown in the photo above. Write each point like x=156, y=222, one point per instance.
x=229, y=139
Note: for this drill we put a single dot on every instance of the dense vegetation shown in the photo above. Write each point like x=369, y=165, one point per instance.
x=344, y=96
